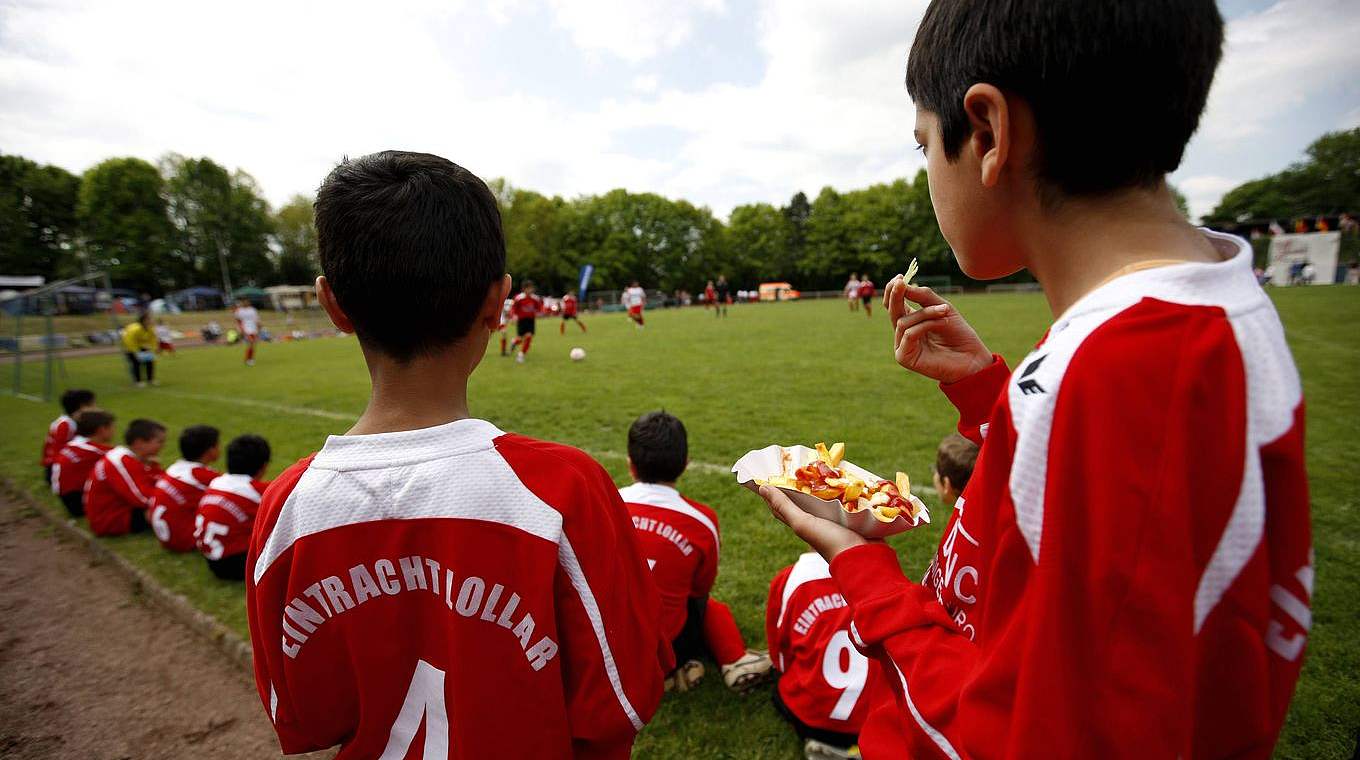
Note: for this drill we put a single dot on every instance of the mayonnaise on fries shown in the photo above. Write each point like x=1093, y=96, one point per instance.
x=824, y=479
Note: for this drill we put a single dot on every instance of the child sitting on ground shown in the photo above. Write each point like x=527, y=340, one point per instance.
x=679, y=540
x=226, y=513
x=118, y=491
x=63, y=428
x=75, y=461
x=175, y=500
x=953, y=467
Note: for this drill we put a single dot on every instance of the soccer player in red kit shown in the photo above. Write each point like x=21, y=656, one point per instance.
x=94, y=439
x=226, y=513
x=635, y=299
x=824, y=680
x=248, y=322
x=174, y=502
x=427, y=583
x=63, y=428
x=525, y=308
x=679, y=539
x=866, y=294
x=119, y=488
x=570, y=307
x=1129, y=569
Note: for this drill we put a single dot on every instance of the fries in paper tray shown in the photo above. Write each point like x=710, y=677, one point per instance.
x=823, y=484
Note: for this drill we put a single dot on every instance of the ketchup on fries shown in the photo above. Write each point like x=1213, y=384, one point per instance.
x=823, y=478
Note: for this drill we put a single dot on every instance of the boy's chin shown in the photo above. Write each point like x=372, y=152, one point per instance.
x=987, y=266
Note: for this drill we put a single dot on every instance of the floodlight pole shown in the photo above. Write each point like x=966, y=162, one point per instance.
x=226, y=272
x=18, y=347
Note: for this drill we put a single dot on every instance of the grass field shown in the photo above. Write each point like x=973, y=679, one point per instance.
x=783, y=373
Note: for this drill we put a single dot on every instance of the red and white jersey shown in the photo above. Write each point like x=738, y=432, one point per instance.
x=569, y=306
x=824, y=680
x=119, y=483
x=866, y=288
x=226, y=515
x=852, y=288
x=634, y=298
x=174, y=502
x=1159, y=589
x=59, y=433
x=679, y=540
x=526, y=306
x=74, y=463
x=456, y=589
x=248, y=318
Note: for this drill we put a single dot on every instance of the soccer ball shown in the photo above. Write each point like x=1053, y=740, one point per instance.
x=577, y=354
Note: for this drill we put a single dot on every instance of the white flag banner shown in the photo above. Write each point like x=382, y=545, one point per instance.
x=1291, y=254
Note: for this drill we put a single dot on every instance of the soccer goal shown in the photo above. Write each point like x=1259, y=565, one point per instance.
x=33, y=341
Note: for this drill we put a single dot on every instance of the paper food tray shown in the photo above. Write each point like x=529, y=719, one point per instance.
x=773, y=461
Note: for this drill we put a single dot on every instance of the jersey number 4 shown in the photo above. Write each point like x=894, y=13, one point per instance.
x=424, y=703
x=849, y=678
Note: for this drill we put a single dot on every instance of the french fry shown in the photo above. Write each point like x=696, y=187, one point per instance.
x=823, y=478
x=836, y=454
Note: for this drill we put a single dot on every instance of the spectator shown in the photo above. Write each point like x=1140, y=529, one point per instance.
x=1321, y=225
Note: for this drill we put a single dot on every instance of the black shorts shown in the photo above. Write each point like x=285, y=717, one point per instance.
x=231, y=568
x=524, y=326
x=866, y=299
x=689, y=644
x=75, y=503
x=565, y=317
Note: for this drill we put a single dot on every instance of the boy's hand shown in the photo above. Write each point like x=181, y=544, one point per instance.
x=935, y=340
x=825, y=537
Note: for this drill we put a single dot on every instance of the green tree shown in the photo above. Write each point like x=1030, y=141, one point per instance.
x=661, y=243
x=797, y=212
x=123, y=220
x=759, y=244
x=37, y=218
x=532, y=224
x=252, y=227
x=295, y=231
x=222, y=225
x=1327, y=181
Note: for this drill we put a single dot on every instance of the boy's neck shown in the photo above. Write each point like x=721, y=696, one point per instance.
x=1080, y=245
x=667, y=483
x=427, y=391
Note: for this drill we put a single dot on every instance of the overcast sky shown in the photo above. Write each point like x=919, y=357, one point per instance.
x=721, y=102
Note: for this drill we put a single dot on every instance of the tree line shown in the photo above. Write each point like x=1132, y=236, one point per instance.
x=1325, y=183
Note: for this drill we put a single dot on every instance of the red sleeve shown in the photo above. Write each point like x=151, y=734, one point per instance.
x=1094, y=640
x=133, y=480
x=772, y=638
x=975, y=397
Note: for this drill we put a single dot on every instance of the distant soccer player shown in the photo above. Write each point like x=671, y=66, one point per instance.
x=724, y=293
x=710, y=296
x=75, y=461
x=63, y=428
x=427, y=584
x=165, y=338
x=570, y=307
x=119, y=489
x=679, y=539
x=823, y=686
x=866, y=294
x=248, y=322
x=507, y=316
x=174, y=502
x=852, y=291
x=526, y=308
x=635, y=299
x=226, y=513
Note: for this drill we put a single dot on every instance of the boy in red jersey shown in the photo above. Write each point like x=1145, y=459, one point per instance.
x=427, y=579
x=72, y=467
x=954, y=460
x=248, y=322
x=526, y=307
x=570, y=306
x=63, y=428
x=866, y=294
x=1128, y=571
x=679, y=539
x=174, y=502
x=226, y=513
x=635, y=300
x=119, y=488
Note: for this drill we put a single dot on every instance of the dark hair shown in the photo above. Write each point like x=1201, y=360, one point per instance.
x=955, y=458
x=1116, y=86
x=90, y=421
x=72, y=400
x=142, y=430
x=658, y=446
x=409, y=242
x=247, y=455
x=197, y=440
x=526, y=284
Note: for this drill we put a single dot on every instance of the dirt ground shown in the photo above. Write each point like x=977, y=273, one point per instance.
x=87, y=670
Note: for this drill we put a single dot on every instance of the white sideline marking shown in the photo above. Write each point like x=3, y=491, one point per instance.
x=325, y=414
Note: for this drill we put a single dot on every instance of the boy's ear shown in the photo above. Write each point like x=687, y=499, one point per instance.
x=495, y=299
x=989, y=117
x=326, y=296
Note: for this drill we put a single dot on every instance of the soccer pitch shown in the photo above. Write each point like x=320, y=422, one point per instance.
x=769, y=373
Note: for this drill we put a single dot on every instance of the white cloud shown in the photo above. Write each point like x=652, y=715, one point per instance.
x=633, y=30
x=646, y=83
x=1203, y=192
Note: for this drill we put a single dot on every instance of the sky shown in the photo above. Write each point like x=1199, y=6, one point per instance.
x=720, y=102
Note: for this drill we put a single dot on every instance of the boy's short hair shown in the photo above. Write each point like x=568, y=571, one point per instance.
x=1117, y=87
x=955, y=459
x=142, y=430
x=197, y=440
x=659, y=447
x=247, y=455
x=90, y=421
x=72, y=400
x=409, y=242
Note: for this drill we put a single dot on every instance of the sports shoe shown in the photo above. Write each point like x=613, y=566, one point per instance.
x=815, y=750
x=250, y=362
x=752, y=670
x=141, y=383
x=685, y=677
x=519, y=358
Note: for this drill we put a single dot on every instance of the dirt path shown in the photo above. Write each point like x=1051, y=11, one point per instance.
x=87, y=670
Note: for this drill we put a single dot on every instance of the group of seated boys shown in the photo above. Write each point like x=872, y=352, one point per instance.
x=123, y=489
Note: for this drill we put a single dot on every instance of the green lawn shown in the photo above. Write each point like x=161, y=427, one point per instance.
x=770, y=373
